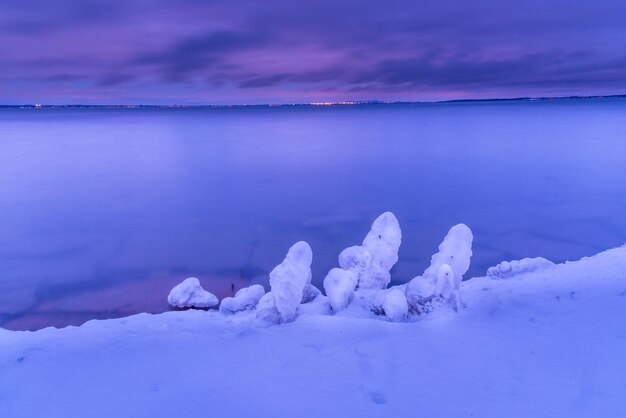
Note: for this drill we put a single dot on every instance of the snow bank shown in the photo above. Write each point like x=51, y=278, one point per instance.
x=536, y=345
x=508, y=269
x=189, y=294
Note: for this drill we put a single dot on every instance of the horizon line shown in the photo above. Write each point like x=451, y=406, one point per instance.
x=324, y=103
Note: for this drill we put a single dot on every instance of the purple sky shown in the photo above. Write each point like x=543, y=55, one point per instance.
x=280, y=51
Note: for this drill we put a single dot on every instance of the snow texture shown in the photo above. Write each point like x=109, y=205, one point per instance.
x=455, y=251
x=395, y=305
x=372, y=261
x=535, y=345
x=508, y=269
x=339, y=285
x=189, y=294
x=289, y=278
x=245, y=299
x=444, y=275
x=309, y=293
x=266, y=310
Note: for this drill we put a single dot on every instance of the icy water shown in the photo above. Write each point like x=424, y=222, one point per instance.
x=102, y=211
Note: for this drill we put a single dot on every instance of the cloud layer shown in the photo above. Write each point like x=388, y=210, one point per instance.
x=277, y=51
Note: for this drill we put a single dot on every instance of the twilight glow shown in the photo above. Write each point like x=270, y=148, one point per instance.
x=280, y=51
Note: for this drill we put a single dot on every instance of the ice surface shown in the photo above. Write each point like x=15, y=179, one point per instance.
x=189, y=294
x=245, y=299
x=289, y=278
x=510, y=268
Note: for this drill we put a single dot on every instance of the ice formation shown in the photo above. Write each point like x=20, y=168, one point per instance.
x=356, y=259
x=339, y=285
x=443, y=277
x=511, y=268
x=266, y=309
x=289, y=278
x=189, y=294
x=362, y=279
x=455, y=251
x=372, y=261
x=395, y=305
x=246, y=298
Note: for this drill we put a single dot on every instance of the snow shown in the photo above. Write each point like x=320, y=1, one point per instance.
x=190, y=294
x=444, y=275
x=546, y=343
x=395, y=305
x=289, y=279
x=455, y=250
x=246, y=298
x=372, y=261
x=508, y=269
x=339, y=285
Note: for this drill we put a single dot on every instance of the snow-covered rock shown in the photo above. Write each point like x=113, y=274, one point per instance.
x=356, y=259
x=339, y=285
x=190, y=294
x=289, y=278
x=455, y=251
x=383, y=243
x=372, y=261
x=419, y=293
x=510, y=268
x=395, y=305
x=266, y=309
x=245, y=299
x=438, y=281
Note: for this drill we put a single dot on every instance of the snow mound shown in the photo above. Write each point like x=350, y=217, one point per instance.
x=289, y=279
x=511, y=268
x=395, y=305
x=189, y=294
x=245, y=299
x=339, y=285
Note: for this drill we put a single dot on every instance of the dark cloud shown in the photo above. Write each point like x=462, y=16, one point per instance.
x=233, y=50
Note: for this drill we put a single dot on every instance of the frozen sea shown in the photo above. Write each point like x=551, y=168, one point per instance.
x=102, y=211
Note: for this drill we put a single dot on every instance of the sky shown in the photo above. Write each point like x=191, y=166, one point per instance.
x=295, y=51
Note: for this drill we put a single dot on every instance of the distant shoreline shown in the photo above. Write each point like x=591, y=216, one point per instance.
x=313, y=104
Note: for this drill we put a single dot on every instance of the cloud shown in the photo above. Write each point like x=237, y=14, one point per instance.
x=222, y=50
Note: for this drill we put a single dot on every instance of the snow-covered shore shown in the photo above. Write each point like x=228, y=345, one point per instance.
x=547, y=343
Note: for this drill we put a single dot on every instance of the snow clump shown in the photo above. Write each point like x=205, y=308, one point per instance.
x=510, y=268
x=189, y=294
x=447, y=267
x=245, y=299
x=289, y=279
x=372, y=261
x=339, y=285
